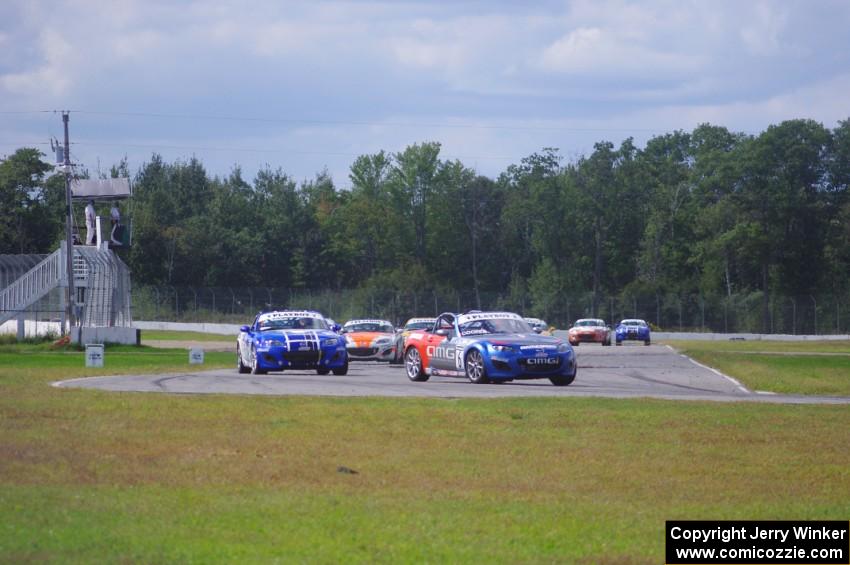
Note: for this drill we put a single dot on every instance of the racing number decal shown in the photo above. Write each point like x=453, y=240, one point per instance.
x=459, y=358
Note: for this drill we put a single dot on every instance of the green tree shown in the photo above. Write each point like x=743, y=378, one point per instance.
x=26, y=226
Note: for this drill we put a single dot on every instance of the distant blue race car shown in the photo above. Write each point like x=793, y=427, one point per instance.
x=487, y=346
x=636, y=330
x=290, y=339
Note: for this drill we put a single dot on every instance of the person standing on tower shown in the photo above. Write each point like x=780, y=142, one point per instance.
x=90, y=223
x=115, y=218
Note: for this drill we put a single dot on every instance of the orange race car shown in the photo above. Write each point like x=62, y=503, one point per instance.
x=589, y=330
x=370, y=340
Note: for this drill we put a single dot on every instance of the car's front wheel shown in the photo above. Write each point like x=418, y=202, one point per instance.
x=562, y=380
x=255, y=364
x=476, y=372
x=322, y=370
x=647, y=342
x=339, y=371
x=240, y=366
x=413, y=365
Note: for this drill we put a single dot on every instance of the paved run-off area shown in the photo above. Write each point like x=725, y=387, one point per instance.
x=630, y=371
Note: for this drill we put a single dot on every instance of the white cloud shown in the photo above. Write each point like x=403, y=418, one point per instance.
x=603, y=52
x=53, y=76
x=761, y=34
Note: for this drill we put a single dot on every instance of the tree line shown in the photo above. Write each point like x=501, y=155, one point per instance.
x=708, y=212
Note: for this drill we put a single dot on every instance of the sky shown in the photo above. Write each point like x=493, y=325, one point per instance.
x=308, y=86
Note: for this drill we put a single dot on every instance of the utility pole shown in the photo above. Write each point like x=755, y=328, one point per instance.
x=69, y=240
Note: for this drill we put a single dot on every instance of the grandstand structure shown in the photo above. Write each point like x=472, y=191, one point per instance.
x=33, y=291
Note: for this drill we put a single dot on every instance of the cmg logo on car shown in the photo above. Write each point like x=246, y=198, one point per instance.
x=542, y=361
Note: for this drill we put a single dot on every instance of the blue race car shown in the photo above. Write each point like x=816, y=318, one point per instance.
x=636, y=330
x=487, y=346
x=290, y=340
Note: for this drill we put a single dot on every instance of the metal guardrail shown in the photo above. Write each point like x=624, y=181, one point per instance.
x=738, y=313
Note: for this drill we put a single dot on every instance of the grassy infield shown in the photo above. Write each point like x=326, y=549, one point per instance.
x=93, y=476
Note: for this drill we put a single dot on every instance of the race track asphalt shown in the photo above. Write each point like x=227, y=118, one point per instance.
x=630, y=371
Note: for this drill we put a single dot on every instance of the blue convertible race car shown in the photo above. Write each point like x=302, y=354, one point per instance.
x=637, y=330
x=290, y=340
x=487, y=346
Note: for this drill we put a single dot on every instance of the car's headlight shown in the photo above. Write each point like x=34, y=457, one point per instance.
x=496, y=347
x=563, y=347
x=330, y=342
x=271, y=342
x=382, y=341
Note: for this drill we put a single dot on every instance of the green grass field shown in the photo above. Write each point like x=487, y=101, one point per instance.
x=168, y=335
x=90, y=476
x=809, y=367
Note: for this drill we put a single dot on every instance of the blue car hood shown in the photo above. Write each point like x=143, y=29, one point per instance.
x=519, y=339
x=296, y=335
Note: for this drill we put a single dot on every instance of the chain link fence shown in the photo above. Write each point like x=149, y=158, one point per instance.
x=737, y=313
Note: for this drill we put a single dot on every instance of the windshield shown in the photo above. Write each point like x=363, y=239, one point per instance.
x=419, y=325
x=383, y=327
x=495, y=326
x=292, y=324
x=640, y=323
x=583, y=323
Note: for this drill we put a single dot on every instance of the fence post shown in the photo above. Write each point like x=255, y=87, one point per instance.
x=793, y=316
x=679, y=299
x=176, y=303
x=657, y=309
x=815, y=303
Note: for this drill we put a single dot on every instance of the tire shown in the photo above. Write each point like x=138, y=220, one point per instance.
x=576, y=344
x=606, y=343
x=240, y=366
x=255, y=365
x=339, y=371
x=413, y=366
x=562, y=380
x=476, y=372
x=647, y=342
x=322, y=370
x=619, y=343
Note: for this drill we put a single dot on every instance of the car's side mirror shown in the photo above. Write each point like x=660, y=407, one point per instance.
x=245, y=329
x=336, y=328
x=538, y=330
x=443, y=332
